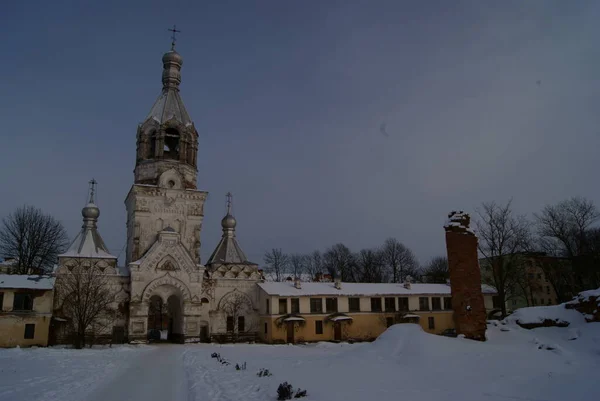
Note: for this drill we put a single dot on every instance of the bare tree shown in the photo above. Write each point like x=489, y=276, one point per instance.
x=369, y=266
x=400, y=260
x=85, y=297
x=297, y=263
x=565, y=229
x=277, y=264
x=339, y=260
x=436, y=270
x=502, y=236
x=237, y=307
x=33, y=239
x=313, y=264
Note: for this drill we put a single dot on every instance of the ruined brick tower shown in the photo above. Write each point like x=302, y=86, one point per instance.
x=465, y=277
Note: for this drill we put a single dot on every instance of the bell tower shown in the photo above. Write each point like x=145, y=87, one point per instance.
x=164, y=194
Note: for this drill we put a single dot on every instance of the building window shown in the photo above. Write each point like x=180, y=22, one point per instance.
x=496, y=302
x=354, y=304
x=548, y=289
x=403, y=304
x=423, y=303
x=331, y=305
x=389, y=321
x=282, y=306
x=229, y=323
x=436, y=303
x=268, y=309
x=241, y=324
x=29, y=331
x=295, y=305
x=375, y=304
x=447, y=303
x=549, y=301
x=316, y=305
x=266, y=328
x=431, y=322
x=318, y=327
x=390, y=305
x=1, y=300
x=23, y=301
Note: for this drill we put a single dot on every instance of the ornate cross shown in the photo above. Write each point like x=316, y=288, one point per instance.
x=92, y=183
x=229, y=196
x=173, y=38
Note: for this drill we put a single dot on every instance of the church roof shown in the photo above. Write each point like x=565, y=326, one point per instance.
x=169, y=106
x=88, y=243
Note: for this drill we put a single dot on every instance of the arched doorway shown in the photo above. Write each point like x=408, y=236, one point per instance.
x=165, y=318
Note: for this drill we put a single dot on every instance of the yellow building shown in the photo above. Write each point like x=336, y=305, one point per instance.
x=298, y=312
x=26, y=309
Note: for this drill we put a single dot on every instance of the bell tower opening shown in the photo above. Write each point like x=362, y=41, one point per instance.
x=171, y=147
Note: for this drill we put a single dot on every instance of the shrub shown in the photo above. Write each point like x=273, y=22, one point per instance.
x=284, y=391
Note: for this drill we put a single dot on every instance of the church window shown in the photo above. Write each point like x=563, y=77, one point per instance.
x=229, y=323
x=171, y=147
x=316, y=305
x=282, y=306
x=171, y=183
x=318, y=327
x=295, y=305
x=331, y=305
x=29, y=331
x=152, y=151
x=241, y=324
x=22, y=302
x=354, y=304
x=204, y=300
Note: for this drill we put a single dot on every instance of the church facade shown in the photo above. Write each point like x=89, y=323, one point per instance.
x=164, y=289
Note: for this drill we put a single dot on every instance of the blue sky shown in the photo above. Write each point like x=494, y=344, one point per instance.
x=481, y=101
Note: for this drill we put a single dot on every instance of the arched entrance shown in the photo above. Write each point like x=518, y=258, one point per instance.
x=165, y=317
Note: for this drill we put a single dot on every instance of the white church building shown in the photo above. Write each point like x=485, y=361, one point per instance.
x=163, y=287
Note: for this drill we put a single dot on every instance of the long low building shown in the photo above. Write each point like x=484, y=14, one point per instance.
x=298, y=311
x=25, y=309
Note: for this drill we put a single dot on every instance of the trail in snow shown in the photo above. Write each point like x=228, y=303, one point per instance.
x=156, y=375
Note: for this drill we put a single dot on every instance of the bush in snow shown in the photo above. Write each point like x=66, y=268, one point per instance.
x=264, y=373
x=240, y=367
x=215, y=355
x=285, y=391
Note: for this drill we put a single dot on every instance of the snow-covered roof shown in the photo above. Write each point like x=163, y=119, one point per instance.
x=88, y=244
x=26, y=281
x=170, y=106
x=359, y=289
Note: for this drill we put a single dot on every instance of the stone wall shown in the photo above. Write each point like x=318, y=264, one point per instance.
x=465, y=277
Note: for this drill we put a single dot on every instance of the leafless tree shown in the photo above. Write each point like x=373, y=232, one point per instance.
x=313, y=264
x=297, y=264
x=400, y=260
x=33, y=239
x=85, y=297
x=565, y=229
x=436, y=270
x=237, y=307
x=339, y=260
x=502, y=236
x=277, y=264
x=369, y=266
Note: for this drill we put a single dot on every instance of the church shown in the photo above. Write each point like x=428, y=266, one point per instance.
x=165, y=292
x=163, y=286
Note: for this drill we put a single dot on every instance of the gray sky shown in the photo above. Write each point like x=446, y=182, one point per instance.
x=481, y=101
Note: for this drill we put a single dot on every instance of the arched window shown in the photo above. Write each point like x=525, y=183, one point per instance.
x=241, y=324
x=152, y=147
x=171, y=148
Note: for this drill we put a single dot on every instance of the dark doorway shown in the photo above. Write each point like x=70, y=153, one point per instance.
x=204, y=334
x=337, y=331
x=290, y=332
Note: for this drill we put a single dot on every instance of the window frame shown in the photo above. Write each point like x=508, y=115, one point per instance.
x=435, y=300
x=283, y=301
x=401, y=302
x=386, y=302
x=32, y=335
x=421, y=299
x=318, y=327
x=350, y=301
x=376, y=304
x=23, y=308
x=313, y=303
x=447, y=303
x=295, y=305
x=431, y=323
x=334, y=305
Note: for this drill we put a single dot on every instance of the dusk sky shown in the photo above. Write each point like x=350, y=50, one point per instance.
x=329, y=121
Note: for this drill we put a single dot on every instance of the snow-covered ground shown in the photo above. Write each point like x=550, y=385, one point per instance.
x=403, y=364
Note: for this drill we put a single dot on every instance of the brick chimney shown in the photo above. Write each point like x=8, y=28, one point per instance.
x=297, y=283
x=338, y=283
x=465, y=277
